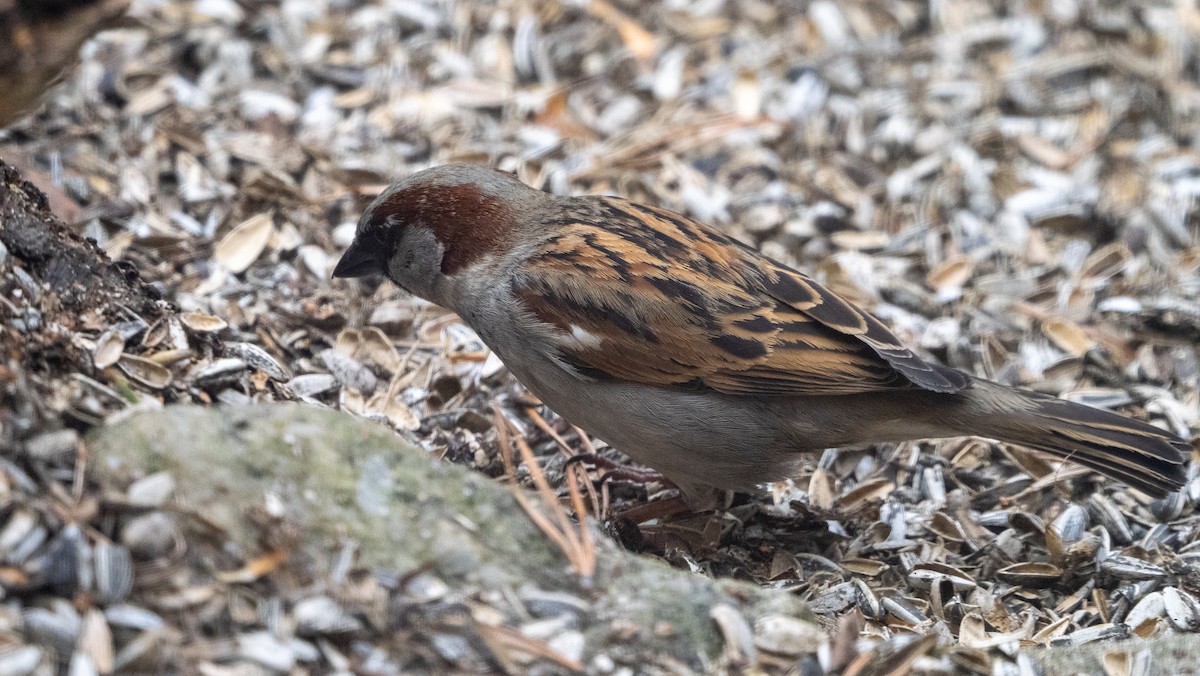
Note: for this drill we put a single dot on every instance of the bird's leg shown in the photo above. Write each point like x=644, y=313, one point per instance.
x=613, y=471
x=688, y=499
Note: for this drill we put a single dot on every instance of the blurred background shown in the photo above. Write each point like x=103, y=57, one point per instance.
x=1012, y=186
x=1028, y=151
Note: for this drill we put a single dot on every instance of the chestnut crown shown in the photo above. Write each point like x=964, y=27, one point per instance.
x=469, y=210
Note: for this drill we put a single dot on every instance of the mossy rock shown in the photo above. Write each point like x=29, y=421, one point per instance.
x=334, y=477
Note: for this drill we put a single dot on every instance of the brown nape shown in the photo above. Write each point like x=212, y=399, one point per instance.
x=469, y=222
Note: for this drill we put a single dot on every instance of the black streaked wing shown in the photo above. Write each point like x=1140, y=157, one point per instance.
x=646, y=295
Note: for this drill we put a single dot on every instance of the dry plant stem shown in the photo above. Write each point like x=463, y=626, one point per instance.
x=574, y=540
x=587, y=543
x=501, y=639
x=573, y=475
x=255, y=568
x=400, y=379
x=566, y=450
x=510, y=471
x=1061, y=475
x=597, y=502
x=605, y=500
x=584, y=439
x=545, y=427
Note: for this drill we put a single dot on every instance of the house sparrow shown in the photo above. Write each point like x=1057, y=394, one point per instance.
x=692, y=352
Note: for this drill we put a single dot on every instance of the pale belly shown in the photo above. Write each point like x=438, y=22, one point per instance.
x=695, y=439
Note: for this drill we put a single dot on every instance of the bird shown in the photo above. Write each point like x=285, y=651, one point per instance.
x=693, y=353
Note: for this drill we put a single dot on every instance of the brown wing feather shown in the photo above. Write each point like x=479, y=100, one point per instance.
x=645, y=295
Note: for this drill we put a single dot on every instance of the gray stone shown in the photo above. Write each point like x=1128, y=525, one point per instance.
x=468, y=529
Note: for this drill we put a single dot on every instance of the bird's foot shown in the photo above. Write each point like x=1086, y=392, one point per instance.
x=640, y=513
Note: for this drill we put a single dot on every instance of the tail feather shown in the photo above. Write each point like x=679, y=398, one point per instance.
x=1137, y=453
x=1154, y=482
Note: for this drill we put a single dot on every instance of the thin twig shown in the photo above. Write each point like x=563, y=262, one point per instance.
x=575, y=540
x=567, y=451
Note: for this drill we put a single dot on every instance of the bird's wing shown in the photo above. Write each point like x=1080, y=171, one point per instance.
x=645, y=295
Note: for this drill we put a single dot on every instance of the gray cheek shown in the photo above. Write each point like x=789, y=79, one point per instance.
x=416, y=264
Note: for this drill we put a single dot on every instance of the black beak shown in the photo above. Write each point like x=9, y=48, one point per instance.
x=361, y=261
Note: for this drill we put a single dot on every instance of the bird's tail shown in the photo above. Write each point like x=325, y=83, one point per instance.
x=1134, y=452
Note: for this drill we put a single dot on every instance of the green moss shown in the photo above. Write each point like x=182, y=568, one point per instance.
x=338, y=477
x=1176, y=654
